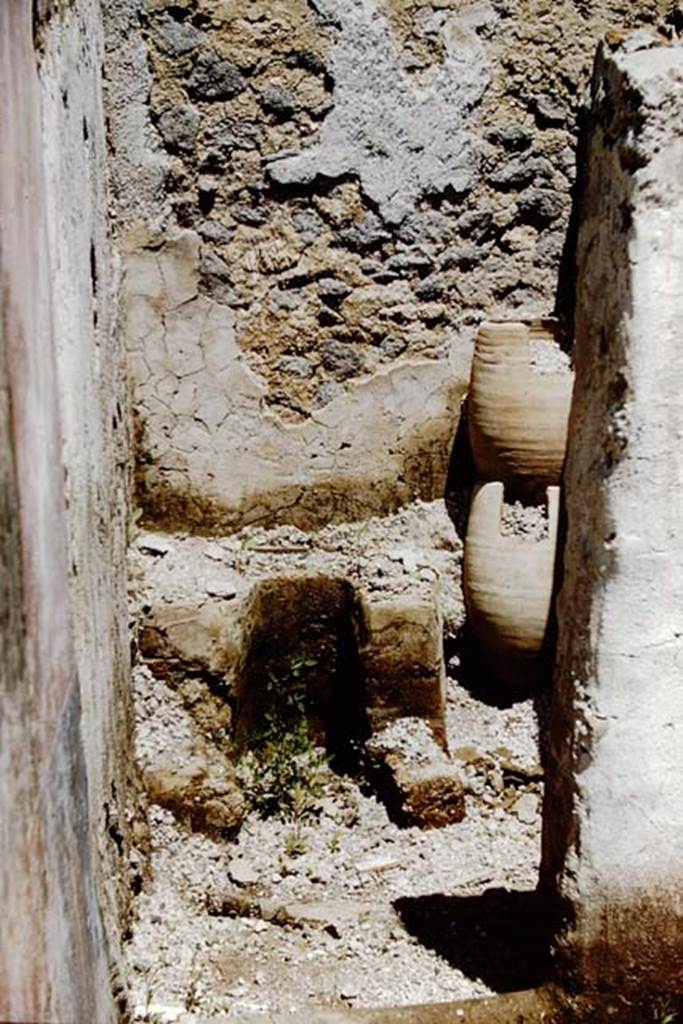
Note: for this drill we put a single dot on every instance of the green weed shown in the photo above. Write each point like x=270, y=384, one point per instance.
x=296, y=844
x=283, y=774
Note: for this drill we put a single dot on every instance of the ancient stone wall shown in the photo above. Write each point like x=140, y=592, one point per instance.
x=613, y=829
x=65, y=745
x=323, y=199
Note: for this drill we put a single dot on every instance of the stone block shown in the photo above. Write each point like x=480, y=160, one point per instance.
x=204, y=797
x=203, y=637
x=402, y=660
x=415, y=778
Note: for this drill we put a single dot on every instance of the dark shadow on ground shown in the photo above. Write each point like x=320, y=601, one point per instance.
x=464, y=663
x=501, y=937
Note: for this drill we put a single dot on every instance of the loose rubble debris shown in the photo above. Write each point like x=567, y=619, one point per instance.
x=293, y=914
x=520, y=519
x=205, y=797
x=418, y=782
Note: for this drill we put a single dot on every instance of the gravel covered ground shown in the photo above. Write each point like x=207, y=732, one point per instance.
x=373, y=904
x=348, y=908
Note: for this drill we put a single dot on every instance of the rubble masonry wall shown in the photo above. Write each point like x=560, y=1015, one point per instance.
x=321, y=202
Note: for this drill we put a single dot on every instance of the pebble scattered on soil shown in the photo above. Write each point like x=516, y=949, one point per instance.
x=362, y=900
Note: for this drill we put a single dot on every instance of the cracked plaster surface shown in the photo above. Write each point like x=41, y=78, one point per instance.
x=211, y=452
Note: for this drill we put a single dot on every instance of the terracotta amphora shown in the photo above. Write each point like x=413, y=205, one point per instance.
x=518, y=412
x=508, y=584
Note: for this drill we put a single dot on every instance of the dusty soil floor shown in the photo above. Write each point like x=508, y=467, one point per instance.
x=358, y=911
x=385, y=915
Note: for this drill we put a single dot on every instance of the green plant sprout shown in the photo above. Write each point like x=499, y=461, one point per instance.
x=283, y=774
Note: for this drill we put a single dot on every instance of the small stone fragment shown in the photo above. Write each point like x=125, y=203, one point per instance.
x=152, y=544
x=215, y=552
x=372, y=865
x=469, y=755
x=319, y=872
x=327, y=393
x=297, y=366
x=243, y=873
x=549, y=247
x=307, y=60
x=341, y=360
x=220, y=588
x=409, y=260
x=332, y=291
x=308, y=225
x=278, y=101
x=214, y=231
x=520, y=171
x=392, y=347
x=540, y=205
x=214, y=78
x=349, y=989
x=549, y=111
x=526, y=808
x=284, y=298
x=178, y=127
x=433, y=287
x=176, y=38
x=511, y=136
x=520, y=773
x=251, y=215
x=365, y=234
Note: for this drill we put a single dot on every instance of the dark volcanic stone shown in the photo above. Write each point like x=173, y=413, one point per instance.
x=278, y=101
x=214, y=231
x=332, y=291
x=215, y=78
x=520, y=171
x=254, y=216
x=307, y=60
x=511, y=136
x=178, y=127
x=549, y=111
x=308, y=225
x=433, y=287
x=341, y=360
x=392, y=347
x=176, y=37
x=366, y=234
x=410, y=260
x=540, y=205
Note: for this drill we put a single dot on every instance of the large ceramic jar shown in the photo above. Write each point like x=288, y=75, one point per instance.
x=508, y=583
x=520, y=393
